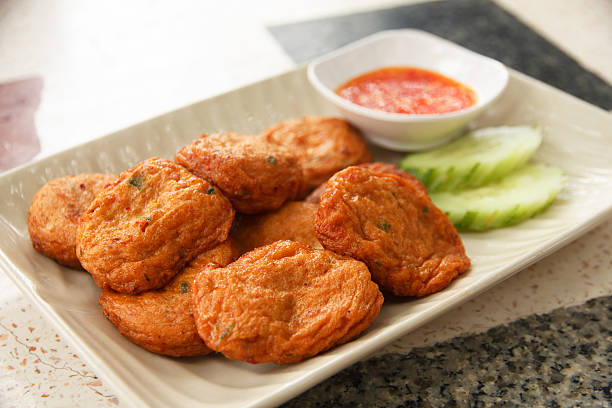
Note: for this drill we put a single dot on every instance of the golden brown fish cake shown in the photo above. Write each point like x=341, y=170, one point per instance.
x=55, y=211
x=255, y=176
x=283, y=303
x=315, y=195
x=144, y=228
x=162, y=320
x=388, y=168
x=293, y=221
x=376, y=167
x=410, y=246
x=324, y=145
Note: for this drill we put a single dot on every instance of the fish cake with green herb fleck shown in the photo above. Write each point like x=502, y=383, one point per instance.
x=55, y=211
x=283, y=303
x=144, y=228
x=410, y=246
x=293, y=221
x=324, y=145
x=254, y=175
x=376, y=167
x=162, y=320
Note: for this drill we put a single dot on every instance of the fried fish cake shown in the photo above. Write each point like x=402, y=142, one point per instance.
x=144, y=228
x=256, y=176
x=376, y=167
x=55, y=212
x=410, y=246
x=294, y=221
x=162, y=321
x=388, y=168
x=324, y=145
x=283, y=303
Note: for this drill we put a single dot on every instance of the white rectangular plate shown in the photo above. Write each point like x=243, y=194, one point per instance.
x=576, y=138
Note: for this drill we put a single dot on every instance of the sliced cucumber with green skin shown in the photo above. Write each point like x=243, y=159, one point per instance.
x=517, y=197
x=478, y=158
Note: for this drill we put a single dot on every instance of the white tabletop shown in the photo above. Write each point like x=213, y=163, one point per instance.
x=106, y=65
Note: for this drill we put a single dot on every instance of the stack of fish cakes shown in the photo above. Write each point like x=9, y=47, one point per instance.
x=211, y=251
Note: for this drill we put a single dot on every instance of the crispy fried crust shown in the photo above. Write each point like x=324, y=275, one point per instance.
x=283, y=303
x=376, y=167
x=410, y=246
x=293, y=221
x=324, y=145
x=162, y=321
x=254, y=175
x=144, y=228
x=55, y=211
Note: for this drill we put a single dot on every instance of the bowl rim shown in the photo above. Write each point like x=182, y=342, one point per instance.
x=400, y=117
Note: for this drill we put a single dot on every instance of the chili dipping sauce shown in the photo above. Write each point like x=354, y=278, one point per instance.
x=407, y=90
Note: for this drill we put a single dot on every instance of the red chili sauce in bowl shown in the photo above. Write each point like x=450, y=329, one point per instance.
x=407, y=90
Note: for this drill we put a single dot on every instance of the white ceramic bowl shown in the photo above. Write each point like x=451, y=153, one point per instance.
x=414, y=48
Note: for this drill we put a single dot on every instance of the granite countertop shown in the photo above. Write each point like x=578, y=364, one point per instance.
x=556, y=359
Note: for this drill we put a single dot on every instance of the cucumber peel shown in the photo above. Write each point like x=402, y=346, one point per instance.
x=515, y=198
x=480, y=157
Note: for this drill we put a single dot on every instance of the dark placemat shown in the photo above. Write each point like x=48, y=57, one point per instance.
x=479, y=25
x=562, y=358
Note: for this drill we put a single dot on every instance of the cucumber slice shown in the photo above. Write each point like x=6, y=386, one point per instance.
x=508, y=201
x=478, y=158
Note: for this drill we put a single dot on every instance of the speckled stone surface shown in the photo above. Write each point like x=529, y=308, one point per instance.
x=558, y=359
